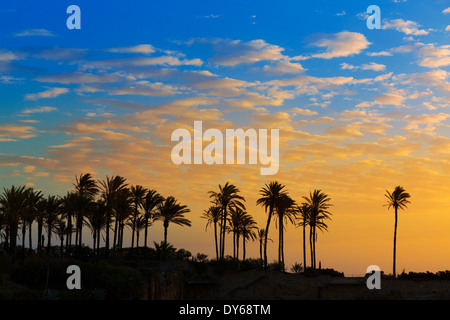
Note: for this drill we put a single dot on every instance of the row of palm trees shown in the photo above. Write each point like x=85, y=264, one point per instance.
x=227, y=214
x=102, y=206
x=111, y=205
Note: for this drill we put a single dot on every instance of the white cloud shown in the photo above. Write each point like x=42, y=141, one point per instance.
x=142, y=48
x=408, y=27
x=341, y=44
x=50, y=93
x=39, y=110
x=35, y=33
x=446, y=11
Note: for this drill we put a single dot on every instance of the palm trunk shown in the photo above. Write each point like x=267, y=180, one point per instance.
x=98, y=241
x=30, y=241
x=280, y=236
x=314, y=245
x=146, y=233
x=311, y=245
x=266, y=235
x=133, y=229
x=215, y=240
x=304, y=247
x=49, y=236
x=94, y=236
x=24, y=230
x=39, y=246
x=115, y=232
x=222, y=254
x=237, y=246
x=166, y=226
x=243, y=246
x=61, y=248
x=260, y=249
x=137, y=238
x=395, y=242
x=108, y=222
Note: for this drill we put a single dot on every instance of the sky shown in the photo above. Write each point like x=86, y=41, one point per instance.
x=359, y=111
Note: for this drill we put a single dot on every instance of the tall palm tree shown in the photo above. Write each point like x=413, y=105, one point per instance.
x=96, y=222
x=149, y=204
x=398, y=199
x=69, y=211
x=235, y=220
x=303, y=217
x=170, y=211
x=318, y=203
x=61, y=230
x=29, y=215
x=284, y=211
x=141, y=224
x=271, y=195
x=12, y=202
x=51, y=216
x=109, y=189
x=226, y=197
x=138, y=193
x=248, y=227
x=213, y=215
x=87, y=189
x=123, y=210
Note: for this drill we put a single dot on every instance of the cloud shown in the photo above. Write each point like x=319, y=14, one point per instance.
x=304, y=112
x=50, y=93
x=408, y=27
x=435, y=57
x=234, y=52
x=35, y=33
x=381, y=53
x=283, y=67
x=342, y=13
x=446, y=11
x=39, y=110
x=371, y=66
x=13, y=131
x=78, y=77
x=341, y=44
x=389, y=99
x=142, y=48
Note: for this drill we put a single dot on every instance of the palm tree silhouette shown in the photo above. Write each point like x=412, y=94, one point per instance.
x=318, y=203
x=284, y=211
x=398, y=199
x=12, y=202
x=271, y=194
x=51, y=216
x=170, y=211
x=138, y=193
x=248, y=227
x=213, y=215
x=226, y=197
x=109, y=189
x=149, y=204
x=303, y=216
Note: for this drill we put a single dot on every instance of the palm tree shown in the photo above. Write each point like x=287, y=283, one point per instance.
x=12, y=202
x=318, y=203
x=29, y=214
x=285, y=211
x=61, y=230
x=51, y=213
x=170, y=211
x=149, y=204
x=87, y=189
x=271, y=196
x=141, y=224
x=248, y=227
x=226, y=197
x=303, y=211
x=96, y=221
x=213, y=215
x=110, y=188
x=137, y=193
x=397, y=199
x=235, y=223
x=69, y=209
x=123, y=211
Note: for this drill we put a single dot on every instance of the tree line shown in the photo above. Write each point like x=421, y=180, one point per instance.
x=107, y=206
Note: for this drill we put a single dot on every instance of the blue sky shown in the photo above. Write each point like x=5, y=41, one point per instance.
x=358, y=110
